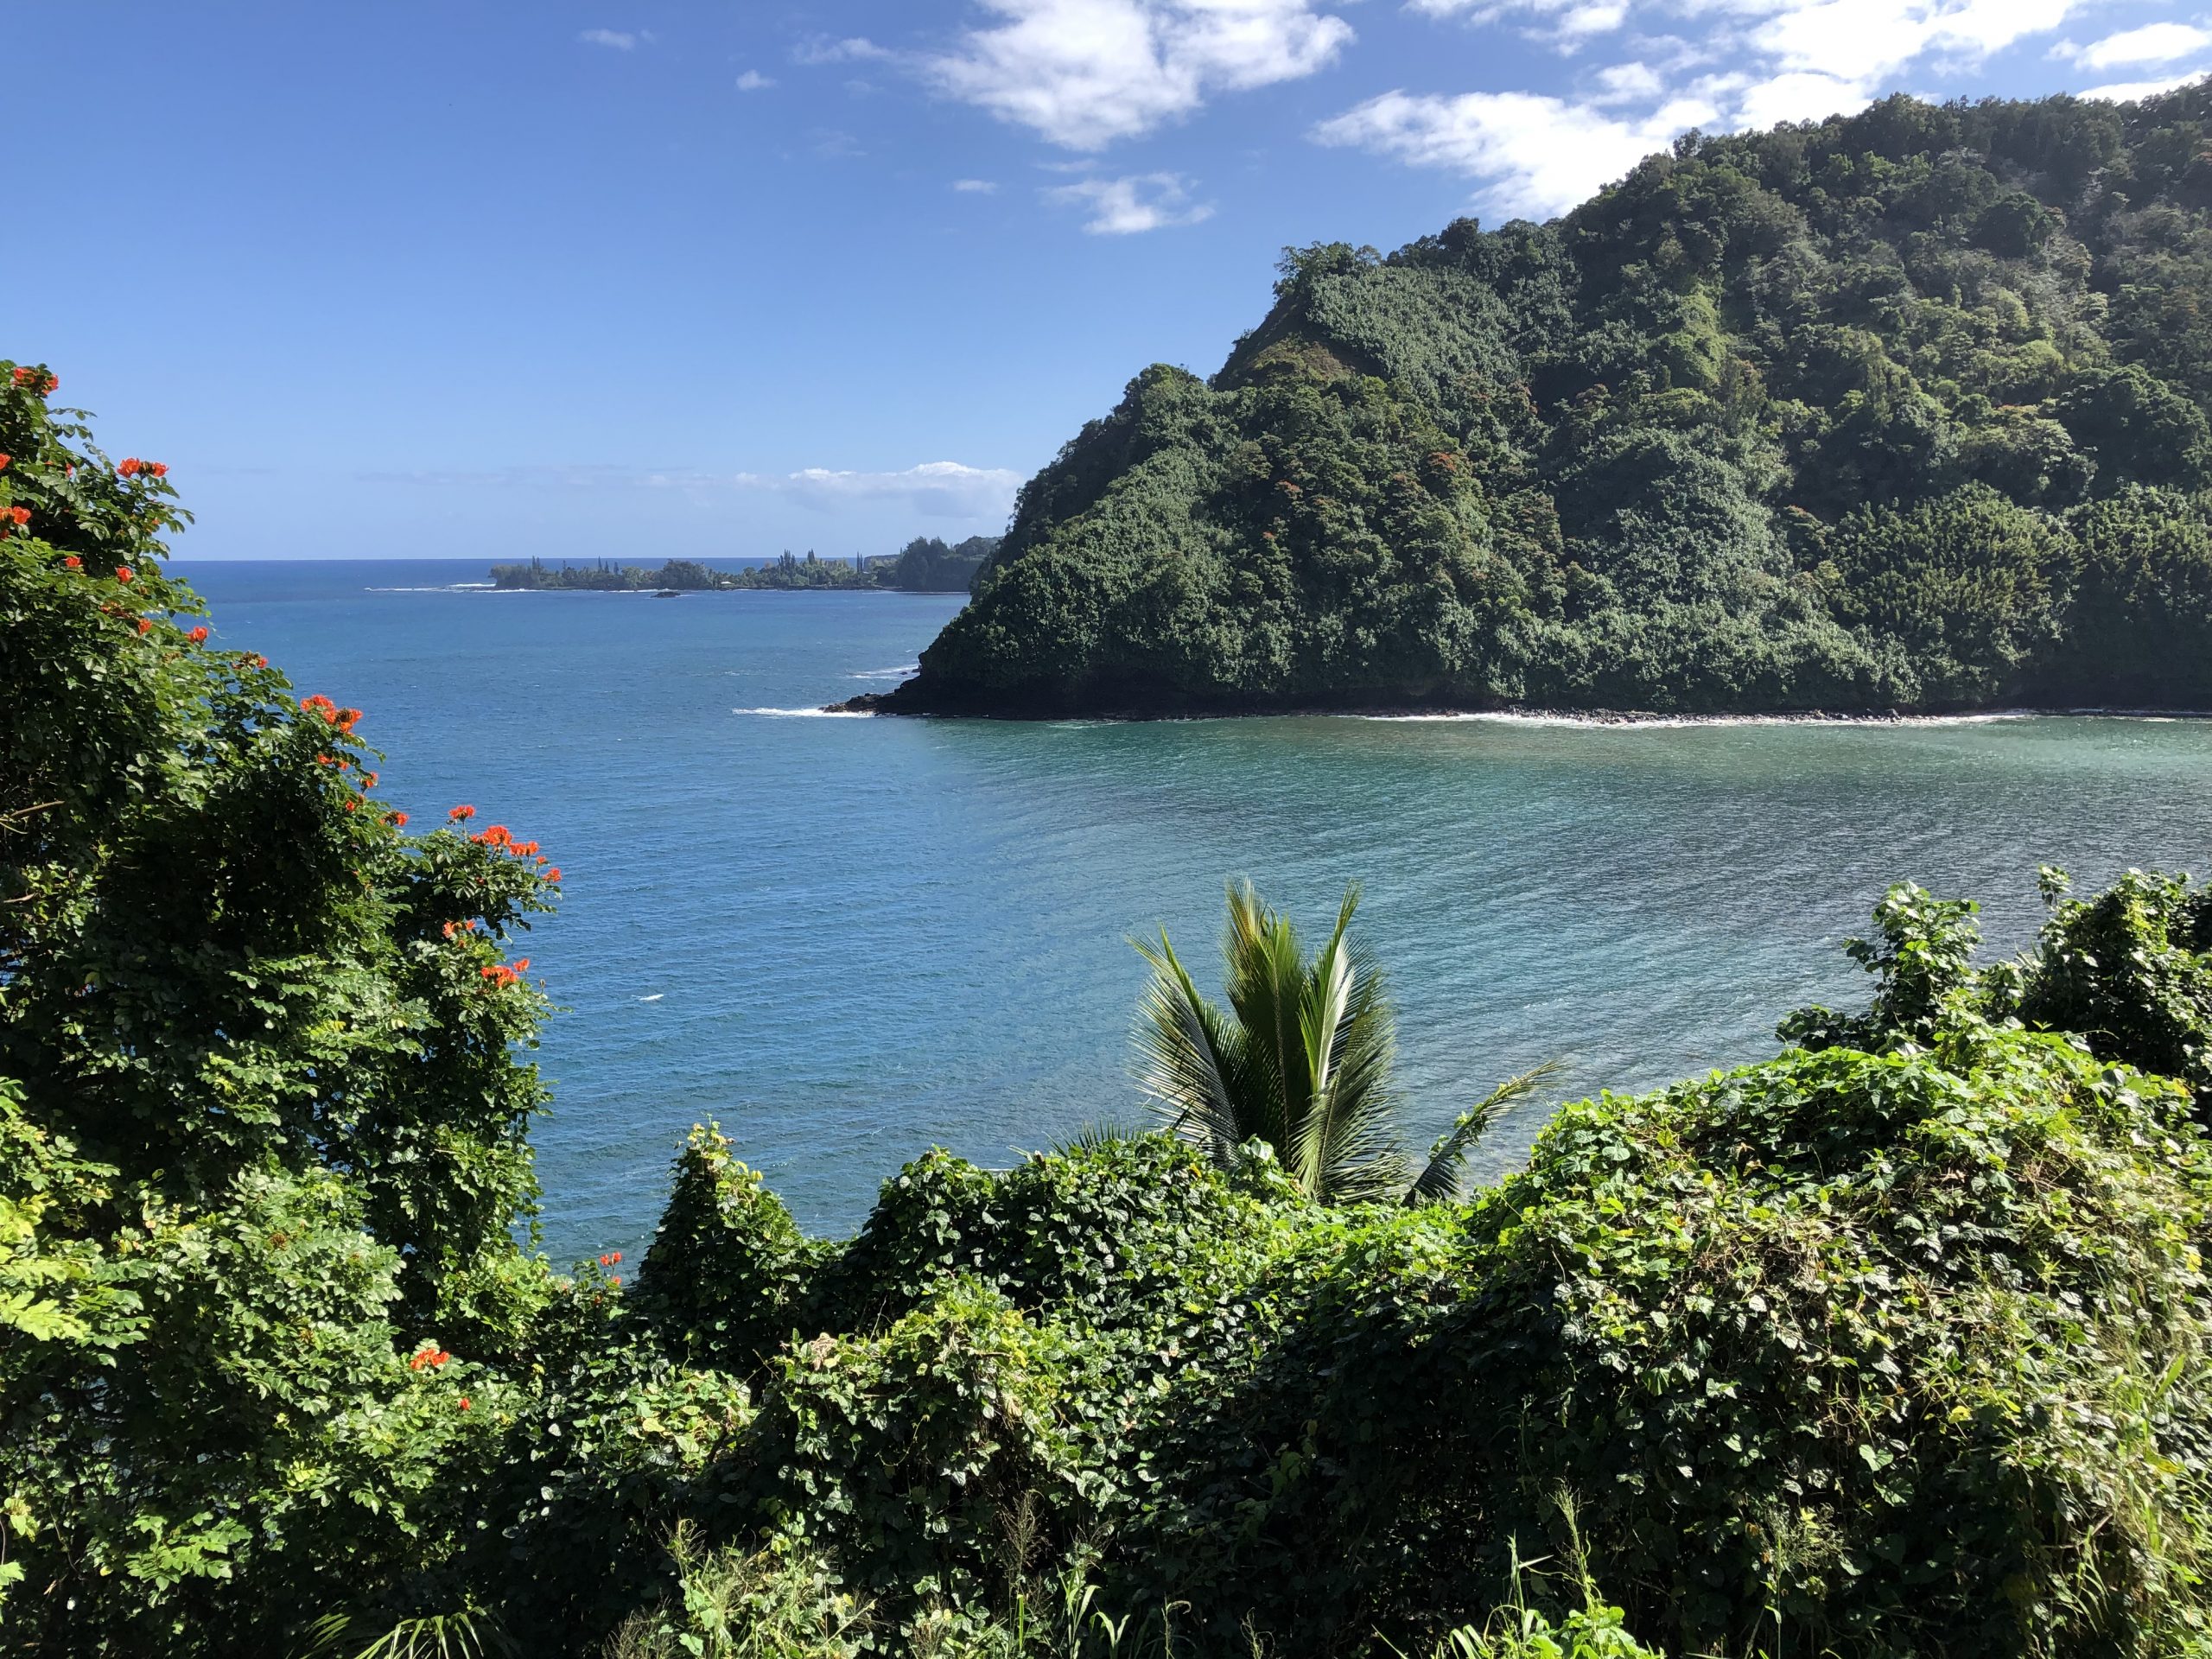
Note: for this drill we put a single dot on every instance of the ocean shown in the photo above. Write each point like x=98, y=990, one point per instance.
x=847, y=939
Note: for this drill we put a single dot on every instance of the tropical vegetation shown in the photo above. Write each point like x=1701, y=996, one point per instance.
x=1300, y=1063
x=1893, y=1342
x=1901, y=410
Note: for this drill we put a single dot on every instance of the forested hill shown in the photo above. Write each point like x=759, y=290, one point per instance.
x=1902, y=410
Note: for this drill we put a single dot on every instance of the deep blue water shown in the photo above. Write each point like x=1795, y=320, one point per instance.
x=848, y=938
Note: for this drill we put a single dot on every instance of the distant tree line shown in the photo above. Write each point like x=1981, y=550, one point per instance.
x=924, y=565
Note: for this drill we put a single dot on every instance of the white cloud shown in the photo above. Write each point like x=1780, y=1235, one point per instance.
x=1542, y=153
x=938, y=489
x=1585, y=23
x=1128, y=206
x=1627, y=83
x=614, y=39
x=1758, y=63
x=2152, y=43
x=1864, y=41
x=1085, y=72
x=753, y=81
x=858, y=49
x=1793, y=95
x=2127, y=92
x=976, y=187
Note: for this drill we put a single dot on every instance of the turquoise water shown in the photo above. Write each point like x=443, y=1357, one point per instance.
x=848, y=938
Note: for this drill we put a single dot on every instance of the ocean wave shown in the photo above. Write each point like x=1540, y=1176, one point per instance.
x=808, y=714
x=907, y=672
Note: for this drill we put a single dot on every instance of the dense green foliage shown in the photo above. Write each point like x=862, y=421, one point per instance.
x=924, y=565
x=1895, y=1342
x=263, y=1131
x=1905, y=410
x=928, y=565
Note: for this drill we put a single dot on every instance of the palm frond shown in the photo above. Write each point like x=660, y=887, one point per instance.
x=1439, y=1181
x=1193, y=1065
x=463, y=1634
x=1266, y=977
x=1301, y=1060
x=1347, y=1149
x=1095, y=1136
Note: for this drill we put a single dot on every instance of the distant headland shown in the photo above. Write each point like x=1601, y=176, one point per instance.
x=924, y=565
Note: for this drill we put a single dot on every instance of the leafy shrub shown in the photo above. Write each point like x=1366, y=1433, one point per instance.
x=728, y=1265
x=773, y=1604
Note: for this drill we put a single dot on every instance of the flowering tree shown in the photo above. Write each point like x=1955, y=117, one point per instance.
x=263, y=1114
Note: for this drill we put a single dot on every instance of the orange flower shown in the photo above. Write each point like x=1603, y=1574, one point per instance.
x=462, y=1403
x=553, y=874
x=4, y=459
x=128, y=467
x=197, y=636
x=397, y=820
x=521, y=962
x=145, y=626
x=21, y=515
x=261, y=661
x=351, y=806
x=74, y=562
x=124, y=573
x=459, y=813
x=159, y=468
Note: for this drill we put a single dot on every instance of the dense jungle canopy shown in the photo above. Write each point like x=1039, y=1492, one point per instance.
x=1905, y=410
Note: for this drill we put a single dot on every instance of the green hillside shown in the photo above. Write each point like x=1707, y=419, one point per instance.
x=1903, y=411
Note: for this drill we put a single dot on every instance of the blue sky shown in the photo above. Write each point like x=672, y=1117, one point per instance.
x=633, y=279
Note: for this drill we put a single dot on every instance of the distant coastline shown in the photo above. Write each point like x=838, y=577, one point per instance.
x=924, y=565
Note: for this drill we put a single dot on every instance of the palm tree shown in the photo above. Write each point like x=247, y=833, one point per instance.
x=1300, y=1060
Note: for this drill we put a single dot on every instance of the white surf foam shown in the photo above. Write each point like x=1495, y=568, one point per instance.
x=1677, y=722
